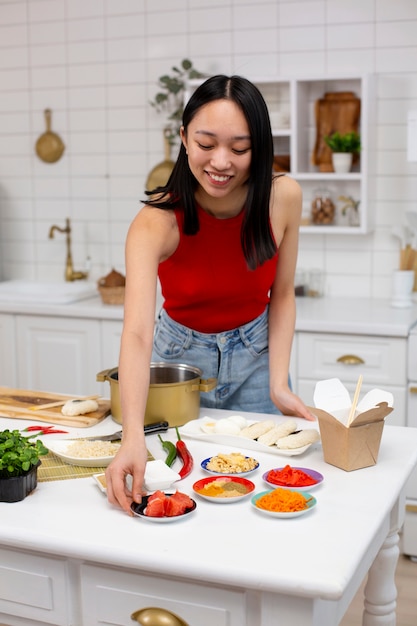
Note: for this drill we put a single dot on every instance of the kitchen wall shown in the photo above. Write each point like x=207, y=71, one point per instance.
x=95, y=63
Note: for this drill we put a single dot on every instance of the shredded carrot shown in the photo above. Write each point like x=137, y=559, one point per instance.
x=283, y=501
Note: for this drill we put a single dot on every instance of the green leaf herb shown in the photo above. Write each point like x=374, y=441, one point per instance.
x=18, y=454
x=347, y=142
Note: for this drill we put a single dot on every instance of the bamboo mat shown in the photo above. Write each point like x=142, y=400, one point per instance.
x=53, y=468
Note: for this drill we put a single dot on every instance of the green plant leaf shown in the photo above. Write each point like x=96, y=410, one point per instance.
x=170, y=99
x=346, y=142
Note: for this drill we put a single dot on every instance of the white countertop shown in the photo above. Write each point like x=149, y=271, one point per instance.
x=90, y=308
x=337, y=315
x=315, y=555
x=365, y=316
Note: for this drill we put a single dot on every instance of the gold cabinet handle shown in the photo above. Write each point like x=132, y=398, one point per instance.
x=350, y=359
x=153, y=616
x=413, y=389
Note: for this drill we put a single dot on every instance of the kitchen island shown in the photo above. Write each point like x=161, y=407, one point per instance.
x=67, y=557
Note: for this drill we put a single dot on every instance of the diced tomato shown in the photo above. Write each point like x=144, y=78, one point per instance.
x=160, y=505
x=183, y=498
x=173, y=507
x=156, y=504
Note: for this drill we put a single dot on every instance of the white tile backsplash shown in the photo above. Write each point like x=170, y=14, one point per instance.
x=77, y=9
x=259, y=16
x=388, y=11
x=86, y=29
x=41, y=56
x=46, y=32
x=95, y=63
x=11, y=14
x=48, y=77
x=348, y=11
x=87, y=52
x=86, y=75
x=302, y=38
x=341, y=36
x=125, y=26
x=302, y=13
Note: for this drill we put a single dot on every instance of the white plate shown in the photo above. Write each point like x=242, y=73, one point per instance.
x=139, y=511
x=193, y=431
x=311, y=504
x=59, y=447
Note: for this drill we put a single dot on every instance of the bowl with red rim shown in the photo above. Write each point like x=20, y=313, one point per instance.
x=289, y=477
x=223, y=489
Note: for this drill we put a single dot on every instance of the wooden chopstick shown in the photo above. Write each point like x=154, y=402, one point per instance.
x=355, y=401
x=50, y=405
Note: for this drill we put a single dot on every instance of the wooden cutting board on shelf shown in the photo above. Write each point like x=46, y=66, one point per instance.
x=335, y=112
x=16, y=403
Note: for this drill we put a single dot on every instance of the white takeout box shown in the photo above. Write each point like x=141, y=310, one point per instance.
x=356, y=445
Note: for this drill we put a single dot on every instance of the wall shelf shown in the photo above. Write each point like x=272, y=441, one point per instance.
x=291, y=101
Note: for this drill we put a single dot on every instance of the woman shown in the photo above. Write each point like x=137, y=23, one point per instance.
x=223, y=236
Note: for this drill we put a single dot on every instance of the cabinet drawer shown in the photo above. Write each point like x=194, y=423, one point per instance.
x=381, y=360
x=34, y=587
x=111, y=596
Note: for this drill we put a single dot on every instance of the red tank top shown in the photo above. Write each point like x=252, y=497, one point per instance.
x=206, y=283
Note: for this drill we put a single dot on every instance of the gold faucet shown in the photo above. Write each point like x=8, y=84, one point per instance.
x=70, y=274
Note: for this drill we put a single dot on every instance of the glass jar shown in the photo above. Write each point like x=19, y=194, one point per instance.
x=322, y=207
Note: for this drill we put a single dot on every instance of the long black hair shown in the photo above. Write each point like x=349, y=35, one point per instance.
x=257, y=241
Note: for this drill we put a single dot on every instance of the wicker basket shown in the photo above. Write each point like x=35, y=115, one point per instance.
x=112, y=295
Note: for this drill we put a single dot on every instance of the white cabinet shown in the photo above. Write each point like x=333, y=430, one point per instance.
x=291, y=103
x=58, y=354
x=34, y=590
x=111, y=334
x=111, y=596
x=381, y=360
x=8, y=361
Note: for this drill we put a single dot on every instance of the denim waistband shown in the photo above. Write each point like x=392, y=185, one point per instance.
x=244, y=333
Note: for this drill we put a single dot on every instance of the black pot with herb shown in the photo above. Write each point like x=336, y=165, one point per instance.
x=19, y=462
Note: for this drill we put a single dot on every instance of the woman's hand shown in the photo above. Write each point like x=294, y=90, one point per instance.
x=290, y=404
x=129, y=460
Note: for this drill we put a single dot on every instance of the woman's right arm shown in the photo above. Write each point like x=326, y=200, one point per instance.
x=152, y=237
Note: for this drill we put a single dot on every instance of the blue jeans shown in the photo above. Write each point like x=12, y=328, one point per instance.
x=237, y=358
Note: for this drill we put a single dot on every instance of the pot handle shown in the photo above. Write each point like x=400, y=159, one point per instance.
x=103, y=376
x=205, y=385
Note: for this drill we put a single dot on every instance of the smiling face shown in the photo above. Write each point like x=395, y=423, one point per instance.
x=218, y=145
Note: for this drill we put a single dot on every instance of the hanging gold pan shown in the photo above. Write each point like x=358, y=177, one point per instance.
x=158, y=176
x=49, y=146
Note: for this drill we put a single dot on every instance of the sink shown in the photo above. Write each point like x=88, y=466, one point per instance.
x=16, y=291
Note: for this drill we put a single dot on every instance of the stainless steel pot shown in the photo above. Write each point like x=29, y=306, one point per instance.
x=174, y=393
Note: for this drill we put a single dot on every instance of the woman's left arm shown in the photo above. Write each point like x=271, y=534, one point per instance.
x=286, y=205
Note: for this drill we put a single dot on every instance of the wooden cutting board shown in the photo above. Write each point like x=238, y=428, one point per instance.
x=16, y=403
x=338, y=111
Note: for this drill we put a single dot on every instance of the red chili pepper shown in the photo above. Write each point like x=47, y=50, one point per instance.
x=185, y=456
x=45, y=430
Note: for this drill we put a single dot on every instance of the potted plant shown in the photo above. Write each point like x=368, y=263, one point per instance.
x=343, y=147
x=170, y=100
x=19, y=462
